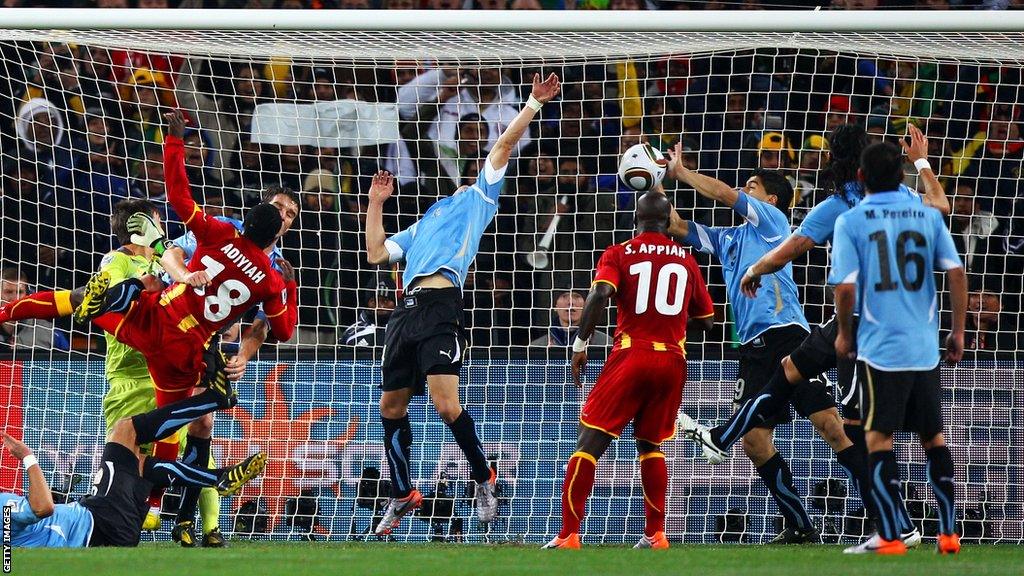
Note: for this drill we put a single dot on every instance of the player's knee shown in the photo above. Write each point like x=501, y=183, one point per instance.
x=758, y=445
x=791, y=371
x=123, y=432
x=392, y=407
x=448, y=410
x=829, y=426
x=935, y=441
x=201, y=427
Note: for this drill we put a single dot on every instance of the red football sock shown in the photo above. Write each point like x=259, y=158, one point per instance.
x=654, y=478
x=579, y=481
x=40, y=305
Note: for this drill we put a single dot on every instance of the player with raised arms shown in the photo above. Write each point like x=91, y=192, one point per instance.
x=425, y=338
x=816, y=354
x=769, y=327
x=884, y=253
x=657, y=287
x=113, y=512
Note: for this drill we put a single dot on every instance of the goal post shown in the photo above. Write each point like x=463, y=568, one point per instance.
x=318, y=101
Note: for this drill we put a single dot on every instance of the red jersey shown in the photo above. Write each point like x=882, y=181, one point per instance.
x=658, y=286
x=240, y=271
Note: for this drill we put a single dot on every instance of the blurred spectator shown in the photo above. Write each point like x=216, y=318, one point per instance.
x=838, y=112
x=26, y=333
x=993, y=157
x=877, y=128
x=988, y=328
x=55, y=78
x=774, y=152
x=812, y=157
x=377, y=304
x=566, y=321
x=979, y=237
x=143, y=101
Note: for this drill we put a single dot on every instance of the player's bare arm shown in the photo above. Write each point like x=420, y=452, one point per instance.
x=678, y=227
x=845, y=295
x=593, y=310
x=706, y=186
x=253, y=337
x=917, y=149
x=40, y=499
x=791, y=248
x=958, y=299
x=173, y=262
x=542, y=92
x=380, y=190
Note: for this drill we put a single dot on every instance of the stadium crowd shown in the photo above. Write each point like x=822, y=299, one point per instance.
x=80, y=129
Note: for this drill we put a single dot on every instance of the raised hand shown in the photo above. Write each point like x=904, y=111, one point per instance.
x=546, y=90
x=176, y=123
x=918, y=146
x=145, y=230
x=749, y=284
x=16, y=447
x=579, y=364
x=287, y=270
x=382, y=187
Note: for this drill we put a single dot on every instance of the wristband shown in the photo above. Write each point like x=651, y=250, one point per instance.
x=534, y=103
x=580, y=345
x=29, y=461
x=921, y=164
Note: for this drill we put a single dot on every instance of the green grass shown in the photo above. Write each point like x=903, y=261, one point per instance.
x=377, y=559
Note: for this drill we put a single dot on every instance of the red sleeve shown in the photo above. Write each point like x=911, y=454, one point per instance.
x=700, y=305
x=608, y=267
x=179, y=194
x=282, y=310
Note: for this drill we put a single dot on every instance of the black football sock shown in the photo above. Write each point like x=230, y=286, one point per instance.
x=164, y=473
x=940, y=476
x=160, y=423
x=397, y=446
x=772, y=398
x=854, y=460
x=464, y=430
x=885, y=489
x=779, y=480
x=197, y=453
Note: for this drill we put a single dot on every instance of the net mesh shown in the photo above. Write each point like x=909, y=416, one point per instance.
x=319, y=112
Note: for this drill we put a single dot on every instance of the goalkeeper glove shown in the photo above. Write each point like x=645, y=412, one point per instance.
x=146, y=232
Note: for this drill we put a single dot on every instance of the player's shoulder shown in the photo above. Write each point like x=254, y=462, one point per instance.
x=119, y=256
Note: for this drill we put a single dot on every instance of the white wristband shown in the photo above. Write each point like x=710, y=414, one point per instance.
x=534, y=103
x=580, y=345
x=921, y=164
x=29, y=461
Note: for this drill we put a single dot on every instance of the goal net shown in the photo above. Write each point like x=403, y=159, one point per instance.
x=319, y=111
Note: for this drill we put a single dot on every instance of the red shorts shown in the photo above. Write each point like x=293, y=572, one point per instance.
x=174, y=356
x=645, y=386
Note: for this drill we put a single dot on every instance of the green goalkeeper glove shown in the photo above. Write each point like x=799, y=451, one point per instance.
x=146, y=232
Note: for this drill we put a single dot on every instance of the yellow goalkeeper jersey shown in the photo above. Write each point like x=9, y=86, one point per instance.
x=123, y=361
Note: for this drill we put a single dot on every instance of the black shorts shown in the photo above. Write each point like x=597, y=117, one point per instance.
x=117, y=499
x=817, y=354
x=909, y=400
x=761, y=358
x=425, y=336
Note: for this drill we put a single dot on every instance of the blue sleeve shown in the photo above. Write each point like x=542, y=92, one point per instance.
x=187, y=243
x=490, y=181
x=399, y=244
x=768, y=220
x=845, y=263
x=21, y=512
x=703, y=238
x=819, y=222
x=946, y=256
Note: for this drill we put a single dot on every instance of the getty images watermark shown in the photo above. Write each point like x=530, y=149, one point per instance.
x=7, y=539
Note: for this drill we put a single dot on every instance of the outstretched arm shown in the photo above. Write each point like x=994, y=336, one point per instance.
x=179, y=191
x=381, y=189
x=40, y=499
x=916, y=150
x=958, y=299
x=706, y=186
x=541, y=94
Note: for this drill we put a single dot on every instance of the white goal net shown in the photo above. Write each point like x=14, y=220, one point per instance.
x=319, y=111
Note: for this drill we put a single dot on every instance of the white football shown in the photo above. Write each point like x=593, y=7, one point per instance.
x=642, y=167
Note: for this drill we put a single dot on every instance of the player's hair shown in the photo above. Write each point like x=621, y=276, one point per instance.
x=845, y=145
x=882, y=165
x=277, y=190
x=777, y=185
x=122, y=211
x=13, y=274
x=261, y=225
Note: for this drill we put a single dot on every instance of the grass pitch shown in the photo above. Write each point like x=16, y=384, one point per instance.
x=379, y=559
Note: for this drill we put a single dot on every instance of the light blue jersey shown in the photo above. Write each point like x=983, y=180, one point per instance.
x=447, y=237
x=737, y=248
x=70, y=525
x=888, y=246
x=821, y=220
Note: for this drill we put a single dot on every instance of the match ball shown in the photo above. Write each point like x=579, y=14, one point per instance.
x=642, y=167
